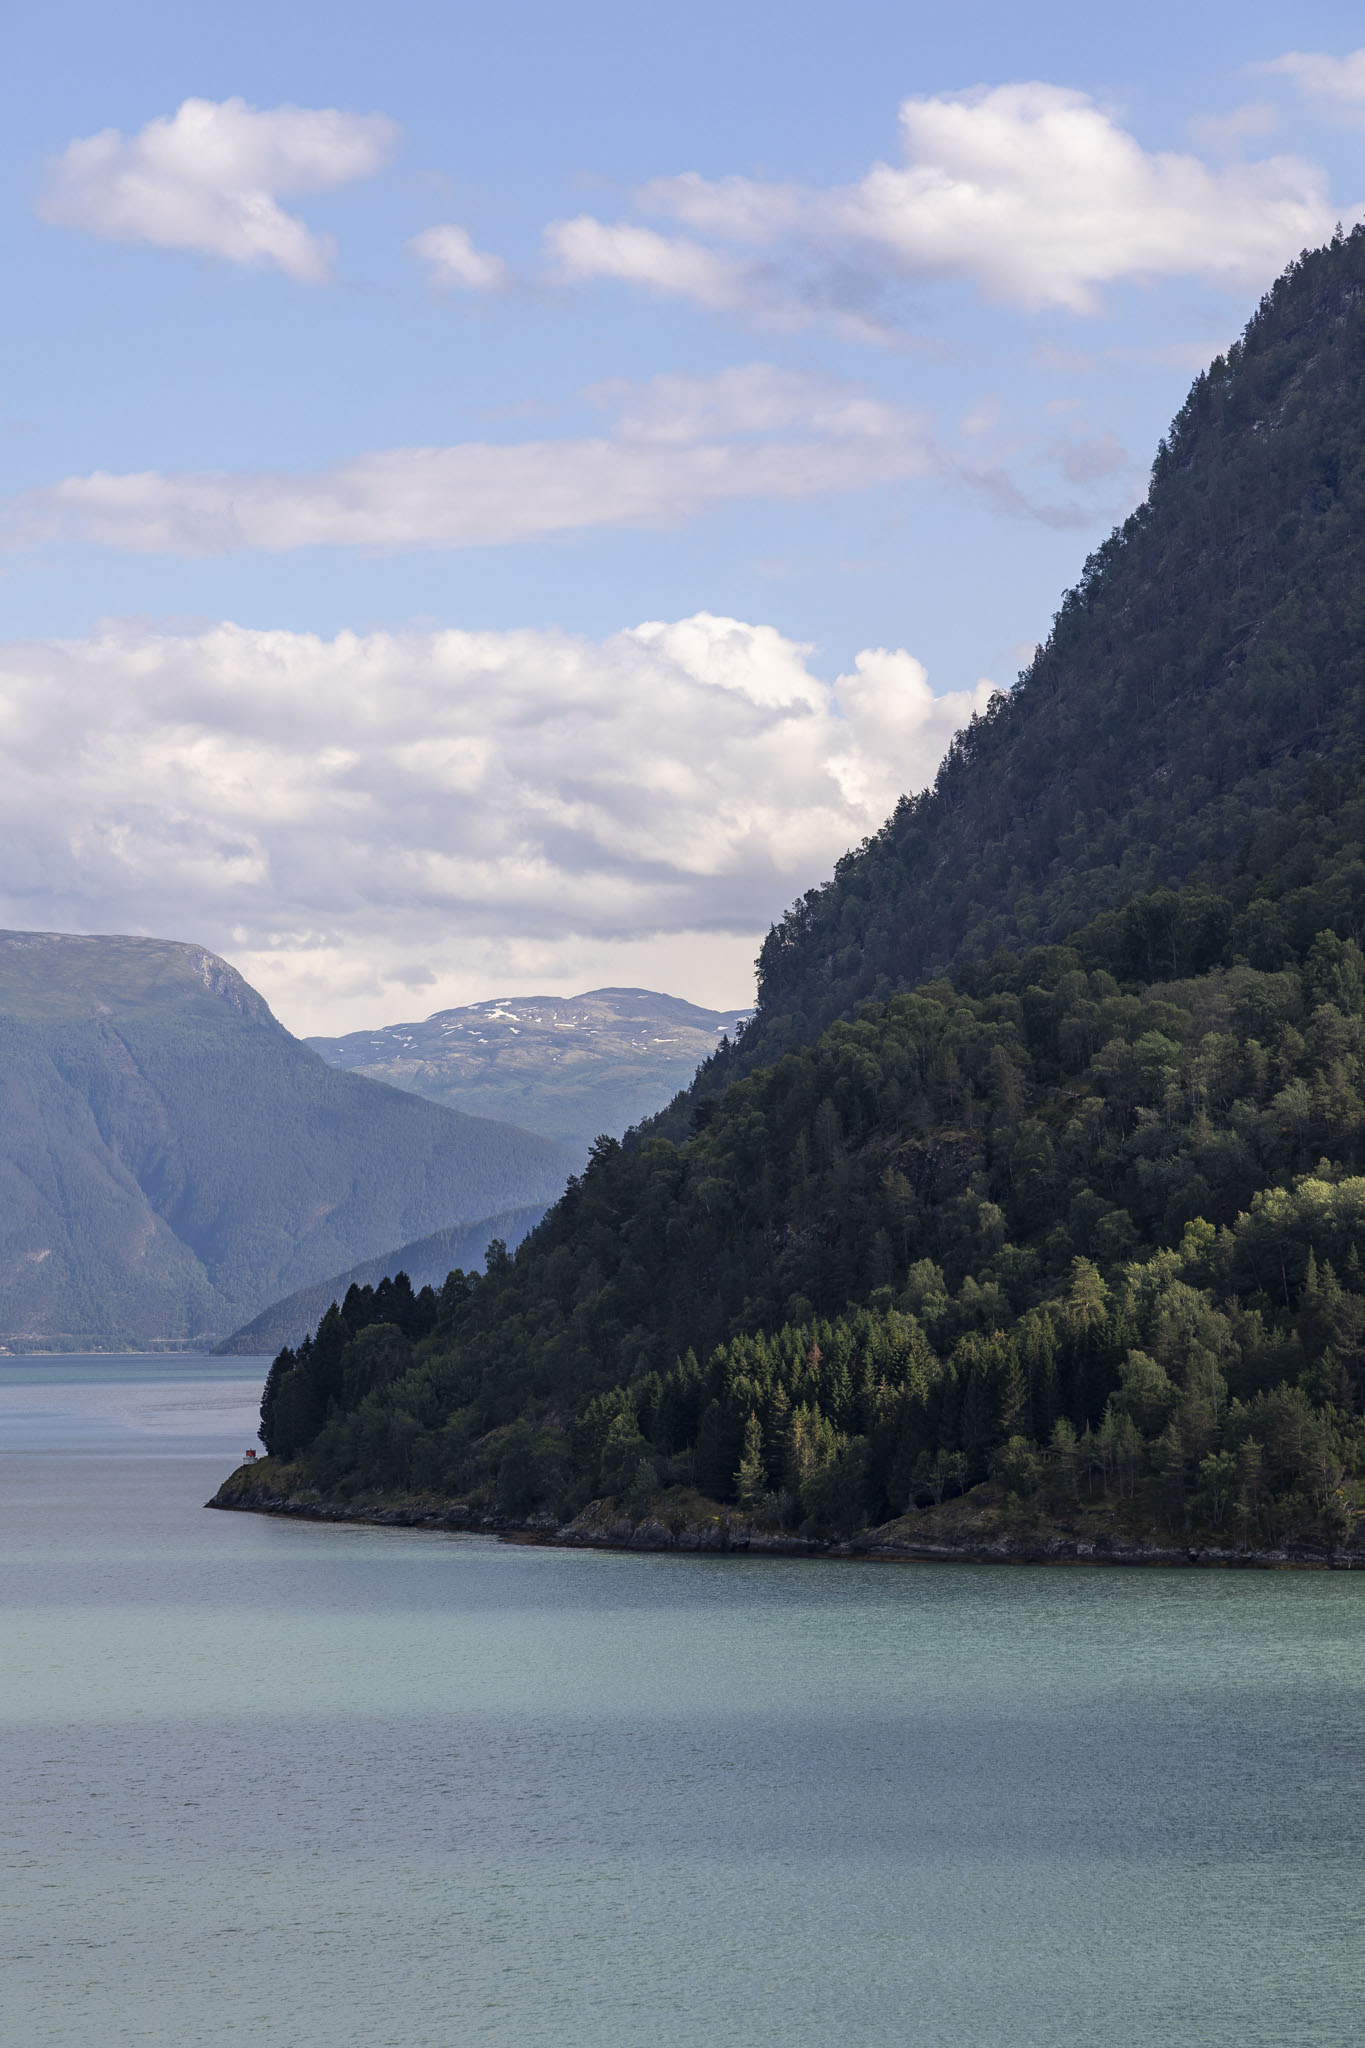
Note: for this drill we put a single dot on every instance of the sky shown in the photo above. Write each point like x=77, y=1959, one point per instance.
x=496, y=500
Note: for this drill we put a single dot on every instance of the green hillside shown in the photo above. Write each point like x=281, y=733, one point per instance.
x=171, y=1159
x=1202, y=676
x=569, y=1066
x=1074, y=1227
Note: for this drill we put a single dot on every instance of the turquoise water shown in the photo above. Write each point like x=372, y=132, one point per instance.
x=267, y=1781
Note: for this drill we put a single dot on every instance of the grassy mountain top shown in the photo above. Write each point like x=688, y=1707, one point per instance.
x=51, y=977
x=570, y=1066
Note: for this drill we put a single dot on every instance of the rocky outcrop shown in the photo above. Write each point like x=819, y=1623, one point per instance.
x=266, y=1489
x=936, y=1536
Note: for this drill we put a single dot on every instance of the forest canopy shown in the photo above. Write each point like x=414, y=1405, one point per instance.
x=1042, y=1165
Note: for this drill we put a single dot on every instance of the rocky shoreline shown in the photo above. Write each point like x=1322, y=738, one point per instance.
x=985, y=1534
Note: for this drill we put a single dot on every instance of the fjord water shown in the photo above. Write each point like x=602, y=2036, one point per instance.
x=278, y=1781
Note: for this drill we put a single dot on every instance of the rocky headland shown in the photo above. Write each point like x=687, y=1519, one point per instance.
x=985, y=1526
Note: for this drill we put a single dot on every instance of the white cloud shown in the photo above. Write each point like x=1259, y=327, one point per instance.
x=1333, y=82
x=680, y=445
x=751, y=399
x=454, y=812
x=585, y=248
x=208, y=179
x=1228, y=134
x=1031, y=192
x=454, y=264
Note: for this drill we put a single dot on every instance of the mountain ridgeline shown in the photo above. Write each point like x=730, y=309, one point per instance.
x=171, y=1159
x=1039, y=1175
x=424, y=1264
x=569, y=1066
x=1201, y=680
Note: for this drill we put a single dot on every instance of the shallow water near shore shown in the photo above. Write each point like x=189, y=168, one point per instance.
x=272, y=1780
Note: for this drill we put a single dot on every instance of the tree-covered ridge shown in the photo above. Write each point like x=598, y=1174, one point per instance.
x=969, y=1234
x=1086, y=1210
x=1204, y=671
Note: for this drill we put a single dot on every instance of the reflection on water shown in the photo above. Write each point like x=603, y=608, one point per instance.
x=274, y=1781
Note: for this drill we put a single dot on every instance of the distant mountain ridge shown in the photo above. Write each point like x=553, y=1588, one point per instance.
x=426, y=1263
x=171, y=1159
x=572, y=1067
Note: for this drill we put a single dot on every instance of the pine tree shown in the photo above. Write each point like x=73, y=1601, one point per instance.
x=751, y=1478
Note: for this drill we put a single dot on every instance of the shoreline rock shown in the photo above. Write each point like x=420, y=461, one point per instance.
x=604, y=1525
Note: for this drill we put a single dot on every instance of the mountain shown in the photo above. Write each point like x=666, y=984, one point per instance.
x=570, y=1066
x=1202, y=676
x=1033, y=1197
x=171, y=1158
x=427, y=1262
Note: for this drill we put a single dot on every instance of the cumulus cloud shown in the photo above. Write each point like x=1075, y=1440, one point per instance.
x=1030, y=192
x=454, y=264
x=666, y=264
x=678, y=445
x=350, y=818
x=209, y=179
x=1332, y=82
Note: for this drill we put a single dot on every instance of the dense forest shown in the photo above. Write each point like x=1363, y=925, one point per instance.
x=1203, y=672
x=1042, y=1166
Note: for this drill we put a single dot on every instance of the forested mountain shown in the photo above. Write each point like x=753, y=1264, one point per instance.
x=1202, y=676
x=171, y=1159
x=571, y=1067
x=1079, y=1218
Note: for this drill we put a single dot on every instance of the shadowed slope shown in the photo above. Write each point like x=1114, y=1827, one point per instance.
x=171, y=1158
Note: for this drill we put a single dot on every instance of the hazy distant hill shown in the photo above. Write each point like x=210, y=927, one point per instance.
x=570, y=1066
x=427, y=1263
x=171, y=1159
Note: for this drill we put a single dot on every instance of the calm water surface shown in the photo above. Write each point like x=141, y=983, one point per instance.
x=271, y=1782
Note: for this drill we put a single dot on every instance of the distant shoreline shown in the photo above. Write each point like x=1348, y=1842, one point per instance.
x=86, y=1349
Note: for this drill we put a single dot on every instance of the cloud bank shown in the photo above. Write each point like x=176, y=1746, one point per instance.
x=1030, y=192
x=208, y=179
x=378, y=823
x=677, y=446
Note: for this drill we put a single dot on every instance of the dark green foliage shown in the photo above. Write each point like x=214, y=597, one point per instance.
x=1088, y=1217
x=1203, y=675
x=358, y=1348
x=1057, y=1232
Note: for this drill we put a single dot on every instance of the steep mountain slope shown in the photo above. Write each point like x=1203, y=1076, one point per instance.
x=170, y=1158
x=1086, y=1219
x=426, y=1263
x=1203, y=674
x=572, y=1067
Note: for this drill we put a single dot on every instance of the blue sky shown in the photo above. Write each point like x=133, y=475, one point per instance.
x=376, y=423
